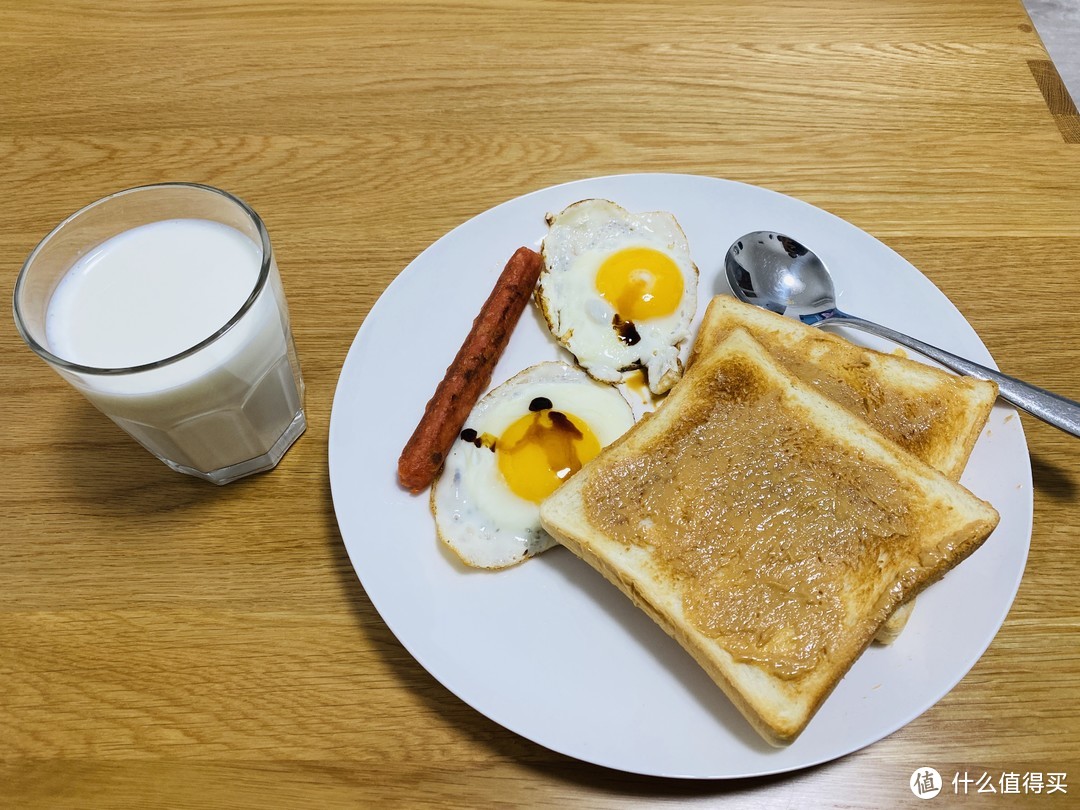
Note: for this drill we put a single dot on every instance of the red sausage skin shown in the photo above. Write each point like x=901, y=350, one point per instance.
x=468, y=376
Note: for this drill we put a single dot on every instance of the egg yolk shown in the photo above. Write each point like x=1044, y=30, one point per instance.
x=641, y=283
x=541, y=450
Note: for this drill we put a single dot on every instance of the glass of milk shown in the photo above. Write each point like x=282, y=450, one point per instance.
x=163, y=306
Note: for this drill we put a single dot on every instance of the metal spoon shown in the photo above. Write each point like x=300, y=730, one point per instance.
x=774, y=271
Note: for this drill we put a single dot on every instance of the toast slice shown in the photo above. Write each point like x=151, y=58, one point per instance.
x=769, y=530
x=931, y=413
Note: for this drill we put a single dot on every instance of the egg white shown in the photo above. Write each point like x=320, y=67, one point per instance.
x=579, y=240
x=476, y=514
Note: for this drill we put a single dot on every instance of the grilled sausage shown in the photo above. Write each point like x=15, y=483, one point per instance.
x=468, y=376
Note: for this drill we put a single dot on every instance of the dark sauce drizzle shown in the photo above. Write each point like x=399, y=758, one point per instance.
x=562, y=422
x=626, y=330
x=472, y=437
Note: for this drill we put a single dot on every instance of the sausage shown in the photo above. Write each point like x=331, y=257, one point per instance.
x=468, y=376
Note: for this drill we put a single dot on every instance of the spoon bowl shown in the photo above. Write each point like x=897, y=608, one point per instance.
x=774, y=271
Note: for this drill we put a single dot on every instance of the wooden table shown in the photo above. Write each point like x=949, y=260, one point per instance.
x=166, y=643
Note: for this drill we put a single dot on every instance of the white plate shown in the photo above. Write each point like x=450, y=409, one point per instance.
x=549, y=649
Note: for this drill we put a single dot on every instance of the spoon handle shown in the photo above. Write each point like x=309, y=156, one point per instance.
x=1056, y=410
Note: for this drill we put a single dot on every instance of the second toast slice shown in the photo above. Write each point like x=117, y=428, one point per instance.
x=933, y=414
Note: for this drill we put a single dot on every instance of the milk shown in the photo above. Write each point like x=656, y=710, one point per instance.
x=151, y=292
x=155, y=291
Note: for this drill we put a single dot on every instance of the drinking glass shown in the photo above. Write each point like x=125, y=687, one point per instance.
x=227, y=404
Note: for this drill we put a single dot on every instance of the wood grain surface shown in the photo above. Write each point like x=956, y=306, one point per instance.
x=167, y=643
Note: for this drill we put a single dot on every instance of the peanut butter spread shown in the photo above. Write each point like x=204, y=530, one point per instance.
x=911, y=422
x=766, y=524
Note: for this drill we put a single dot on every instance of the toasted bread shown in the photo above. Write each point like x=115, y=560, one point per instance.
x=769, y=530
x=933, y=414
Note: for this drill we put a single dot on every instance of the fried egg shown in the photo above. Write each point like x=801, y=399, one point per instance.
x=619, y=290
x=521, y=441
